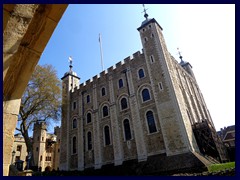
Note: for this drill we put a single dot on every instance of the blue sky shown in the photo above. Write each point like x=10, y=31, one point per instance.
x=205, y=35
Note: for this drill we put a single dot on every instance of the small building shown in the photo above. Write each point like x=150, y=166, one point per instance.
x=45, y=148
x=227, y=135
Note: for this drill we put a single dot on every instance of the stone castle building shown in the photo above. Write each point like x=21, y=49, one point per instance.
x=46, y=148
x=146, y=107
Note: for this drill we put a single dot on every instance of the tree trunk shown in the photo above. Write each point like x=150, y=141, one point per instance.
x=29, y=147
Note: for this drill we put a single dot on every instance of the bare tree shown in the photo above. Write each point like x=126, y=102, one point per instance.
x=41, y=101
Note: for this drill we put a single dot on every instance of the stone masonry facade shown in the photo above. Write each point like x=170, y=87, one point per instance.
x=46, y=148
x=143, y=107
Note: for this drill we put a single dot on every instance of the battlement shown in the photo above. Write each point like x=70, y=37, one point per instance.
x=40, y=125
x=109, y=70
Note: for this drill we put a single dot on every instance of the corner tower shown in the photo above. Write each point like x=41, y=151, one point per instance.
x=70, y=80
x=39, y=143
x=175, y=125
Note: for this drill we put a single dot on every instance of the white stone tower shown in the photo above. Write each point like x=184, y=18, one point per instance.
x=174, y=122
x=70, y=80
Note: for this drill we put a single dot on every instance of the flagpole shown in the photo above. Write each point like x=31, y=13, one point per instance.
x=100, y=41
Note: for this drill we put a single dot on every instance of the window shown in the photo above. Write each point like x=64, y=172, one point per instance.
x=89, y=117
x=74, y=105
x=89, y=140
x=58, y=150
x=42, y=138
x=40, y=158
x=88, y=98
x=74, y=123
x=107, y=135
x=145, y=39
x=36, y=148
x=127, y=131
x=124, y=104
x=160, y=86
x=151, y=122
x=140, y=73
x=17, y=158
x=120, y=83
x=48, y=158
x=19, y=148
x=152, y=59
x=38, y=138
x=103, y=91
x=145, y=95
x=74, y=145
x=105, y=111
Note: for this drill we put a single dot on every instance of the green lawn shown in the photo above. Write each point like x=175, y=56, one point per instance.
x=220, y=167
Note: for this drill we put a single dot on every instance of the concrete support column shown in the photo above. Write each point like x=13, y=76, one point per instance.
x=10, y=116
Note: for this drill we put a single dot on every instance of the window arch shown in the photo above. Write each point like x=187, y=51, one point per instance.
x=105, y=111
x=74, y=123
x=107, y=135
x=120, y=83
x=89, y=117
x=103, y=91
x=145, y=95
x=74, y=145
x=151, y=122
x=89, y=140
x=124, y=104
x=140, y=73
x=127, y=130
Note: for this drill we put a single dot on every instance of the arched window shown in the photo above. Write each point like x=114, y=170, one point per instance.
x=124, y=104
x=107, y=135
x=127, y=130
x=151, y=122
x=89, y=141
x=103, y=91
x=74, y=123
x=74, y=145
x=105, y=111
x=88, y=98
x=120, y=83
x=145, y=95
x=140, y=73
x=89, y=117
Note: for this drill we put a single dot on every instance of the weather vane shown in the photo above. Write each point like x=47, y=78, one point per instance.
x=70, y=61
x=145, y=11
x=180, y=56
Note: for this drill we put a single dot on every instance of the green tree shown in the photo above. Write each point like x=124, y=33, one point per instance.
x=41, y=101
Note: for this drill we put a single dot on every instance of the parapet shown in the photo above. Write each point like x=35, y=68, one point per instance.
x=109, y=70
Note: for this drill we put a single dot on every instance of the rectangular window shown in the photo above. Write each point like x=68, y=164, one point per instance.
x=19, y=148
x=48, y=158
x=160, y=86
x=17, y=158
x=152, y=59
x=74, y=105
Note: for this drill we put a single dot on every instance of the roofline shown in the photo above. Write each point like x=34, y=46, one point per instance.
x=150, y=21
x=70, y=75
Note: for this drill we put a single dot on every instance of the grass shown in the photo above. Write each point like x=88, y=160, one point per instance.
x=220, y=167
